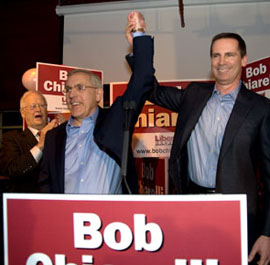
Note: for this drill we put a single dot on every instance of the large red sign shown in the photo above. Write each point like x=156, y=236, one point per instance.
x=256, y=76
x=53, y=229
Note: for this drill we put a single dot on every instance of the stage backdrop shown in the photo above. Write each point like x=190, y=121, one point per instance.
x=95, y=33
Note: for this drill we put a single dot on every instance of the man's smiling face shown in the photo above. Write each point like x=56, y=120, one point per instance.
x=227, y=63
x=82, y=103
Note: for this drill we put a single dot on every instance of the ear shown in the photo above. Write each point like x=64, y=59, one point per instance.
x=244, y=60
x=22, y=114
x=99, y=94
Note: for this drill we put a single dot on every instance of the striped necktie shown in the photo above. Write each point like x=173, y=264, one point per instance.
x=38, y=135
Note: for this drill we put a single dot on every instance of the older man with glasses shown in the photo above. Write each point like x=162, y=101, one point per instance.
x=21, y=151
x=84, y=155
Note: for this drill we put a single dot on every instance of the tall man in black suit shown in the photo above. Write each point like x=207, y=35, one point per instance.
x=21, y=151
x=222, y=136
x=84, y=155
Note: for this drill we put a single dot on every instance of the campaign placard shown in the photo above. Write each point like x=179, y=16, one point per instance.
x=256, y=76
x=152, y=175
x=58, y=229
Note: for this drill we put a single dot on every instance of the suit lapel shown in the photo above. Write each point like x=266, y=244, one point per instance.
x=242, y=107
x=61, y=137
x=100, y=117
x=190, y=118
x=189, y=114
x=29, y=138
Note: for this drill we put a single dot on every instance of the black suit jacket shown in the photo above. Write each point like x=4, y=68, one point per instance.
x=245, y=149
x=17, y=162
x=109, y=128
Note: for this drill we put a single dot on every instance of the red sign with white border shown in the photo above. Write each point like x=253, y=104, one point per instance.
x=152, y=175
x=256, y=76
x=54, y=229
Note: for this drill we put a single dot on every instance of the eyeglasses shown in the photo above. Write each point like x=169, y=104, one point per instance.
x=34, y=106
x=77, y=87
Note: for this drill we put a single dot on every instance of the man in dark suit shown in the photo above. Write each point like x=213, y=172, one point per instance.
x=222, y=137
x=21, y=151
x=84, y=155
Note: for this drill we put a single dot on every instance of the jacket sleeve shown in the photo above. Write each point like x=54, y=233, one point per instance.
x=142, y=77
x=109, y=132
x=44, y=176
x=265, y=169
x=16, y=158
x=163, y=96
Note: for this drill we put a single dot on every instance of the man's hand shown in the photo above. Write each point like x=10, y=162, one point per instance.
x=138, y=19
x=59, y=118
x=54, y=123
x=128, y=33
x=261, y=247
x=135, y=22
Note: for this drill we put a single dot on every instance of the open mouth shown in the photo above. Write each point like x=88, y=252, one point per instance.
x=38, y=116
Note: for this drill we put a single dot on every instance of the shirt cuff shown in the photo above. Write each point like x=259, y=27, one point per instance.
x=137, y=34
x=36, y=153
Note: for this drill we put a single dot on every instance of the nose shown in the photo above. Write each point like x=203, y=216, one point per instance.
x=222, y=60
x=72, y=92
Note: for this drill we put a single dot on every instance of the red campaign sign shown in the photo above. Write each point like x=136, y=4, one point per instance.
x=51, y=77
x=152, y=118
x=54, y=229
x=256, y=75
x=155, y=119
x=152, y=175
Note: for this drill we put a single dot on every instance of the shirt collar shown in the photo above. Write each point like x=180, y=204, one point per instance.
x=90, y=119
x=233, y=94
x=33, y=130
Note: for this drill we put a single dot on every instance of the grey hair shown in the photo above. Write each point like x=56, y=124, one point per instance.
x=95, y=80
